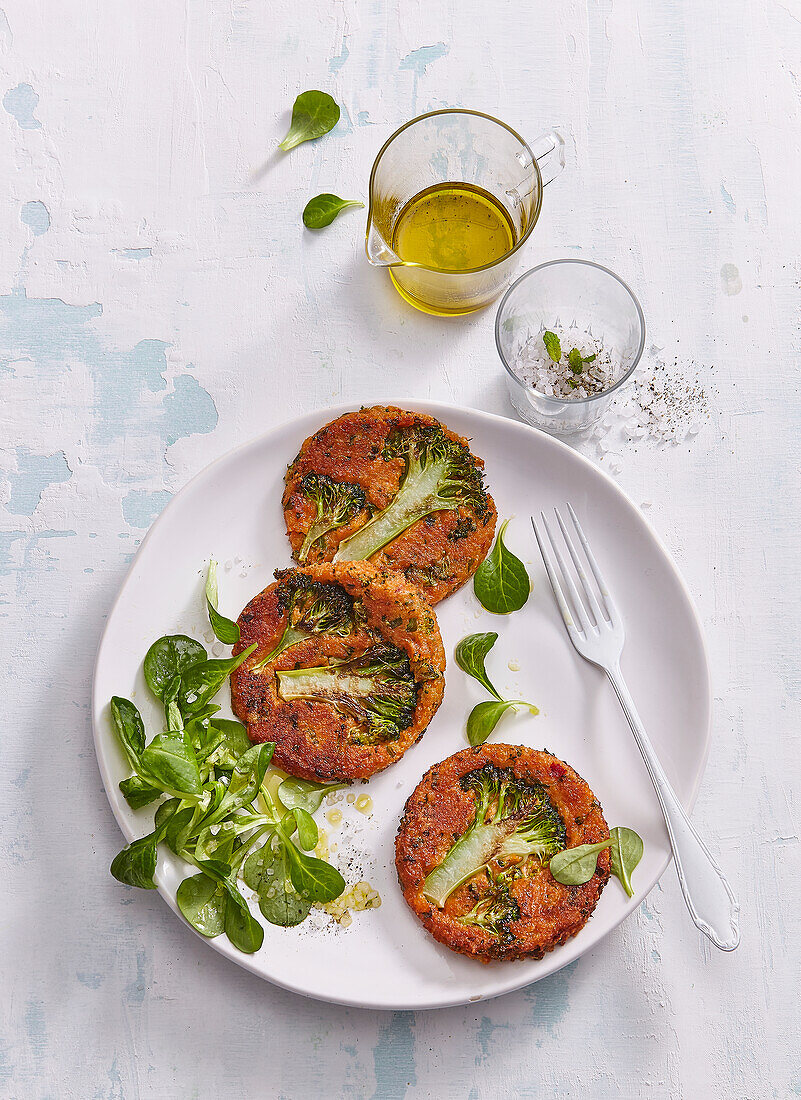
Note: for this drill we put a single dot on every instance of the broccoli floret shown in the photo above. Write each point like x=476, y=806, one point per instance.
x=312, y=608
x=495, y=910
x=440, y=475
x=337, y=503
x=514, y=820
x=377, y=689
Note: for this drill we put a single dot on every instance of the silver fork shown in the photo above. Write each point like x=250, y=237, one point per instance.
x=595, y=628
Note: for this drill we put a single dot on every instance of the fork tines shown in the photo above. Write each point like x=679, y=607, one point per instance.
x=590, y=606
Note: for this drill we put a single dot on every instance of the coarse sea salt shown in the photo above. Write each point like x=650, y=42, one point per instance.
x=535, y=367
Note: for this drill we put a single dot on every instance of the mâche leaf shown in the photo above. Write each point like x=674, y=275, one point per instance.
x=226, y=630
x=204, y=679
x=501, y=582
x=135, y=865
x=471, y=652
x=314, y=879
x=139, y=794
x=202, y=902
x=307, y=829
x=627, y=850
x=169, y=657
x=130, y=728
x=484, y=717
x=323, y=209
x=314, y=114
x=169, y=762
x=267, y=873
x=305, y=793
x=575, y=866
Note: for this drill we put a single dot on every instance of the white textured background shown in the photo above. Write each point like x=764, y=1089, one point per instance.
x=159, y=302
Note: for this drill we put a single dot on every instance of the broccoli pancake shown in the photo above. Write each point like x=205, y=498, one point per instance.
x=348, y=671
x=395, y=488
x=474, y=846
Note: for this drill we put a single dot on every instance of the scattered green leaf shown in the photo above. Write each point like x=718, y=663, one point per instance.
x=130, y=729
x=484, y=717
x=323, y=209
x=267, y=873
x=226, y=630
x=626, y=853
x=314, y=114
x=501, y=582
x=204, y=679
x=139, y=794
x=314, y=879
x=471, y=652
x=575, y=866
x=135, y=865
x=169, y=762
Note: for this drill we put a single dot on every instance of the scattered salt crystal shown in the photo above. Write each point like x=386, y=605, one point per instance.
x=229, y=566
x=217, y=649
x=243, y=574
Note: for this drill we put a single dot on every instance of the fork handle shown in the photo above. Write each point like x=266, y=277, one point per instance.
x=711, y=901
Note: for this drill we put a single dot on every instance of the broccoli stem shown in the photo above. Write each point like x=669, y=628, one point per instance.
x=417, y=497
x=469, y=855
x=319, y=528
x=324, y=683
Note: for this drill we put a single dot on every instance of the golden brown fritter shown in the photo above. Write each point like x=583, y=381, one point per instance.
x=439, y=552
x=316, y=739
x=440, y=810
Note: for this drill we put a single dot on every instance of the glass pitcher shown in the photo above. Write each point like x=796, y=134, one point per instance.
x=457, y=147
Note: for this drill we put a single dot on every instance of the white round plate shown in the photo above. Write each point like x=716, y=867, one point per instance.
x=231, y=511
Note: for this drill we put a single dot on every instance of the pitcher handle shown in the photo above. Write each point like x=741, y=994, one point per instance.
x=549, y=153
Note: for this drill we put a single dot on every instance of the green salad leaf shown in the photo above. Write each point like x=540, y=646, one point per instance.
x=266, y=871
x=203, y=680
x=627, y=851
x=203, y=901
x=323, y=209
x=305, y=793
x=501, y=582
x=470, y=655
x=169, y=657
x=314, y=114
x=575, y=866
x=226, y=630
x=484, y=717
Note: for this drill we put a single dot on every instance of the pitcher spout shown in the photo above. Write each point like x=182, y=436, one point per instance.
x=378, y=251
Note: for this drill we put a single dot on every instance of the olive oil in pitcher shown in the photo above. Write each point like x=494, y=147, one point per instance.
x=453, y=227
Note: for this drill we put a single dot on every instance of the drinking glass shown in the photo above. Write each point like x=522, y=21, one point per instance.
x=556, y=296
